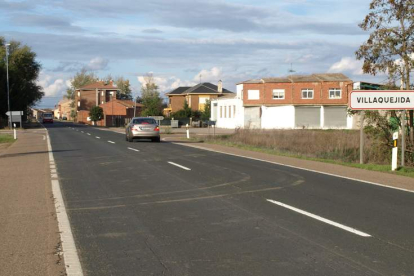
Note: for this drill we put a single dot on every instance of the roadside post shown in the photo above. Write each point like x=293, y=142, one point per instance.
x=15, y=132
x=394, y=162
x=384, y=100
x=188, y=131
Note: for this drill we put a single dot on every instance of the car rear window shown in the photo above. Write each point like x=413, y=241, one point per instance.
x=144, y=121
x=47, y=116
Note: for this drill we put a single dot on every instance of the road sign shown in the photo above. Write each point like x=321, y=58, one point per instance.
x=14, y=113
x=382, y=99
x=157, y=118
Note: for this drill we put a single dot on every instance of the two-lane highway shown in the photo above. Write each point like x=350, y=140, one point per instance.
x=165, y=209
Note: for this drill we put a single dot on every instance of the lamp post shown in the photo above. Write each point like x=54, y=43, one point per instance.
x=8, y=92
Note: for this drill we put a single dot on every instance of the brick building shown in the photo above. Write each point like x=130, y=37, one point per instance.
x=311, y=101
x=117, y=112
x=195, y=96
x=92, y=95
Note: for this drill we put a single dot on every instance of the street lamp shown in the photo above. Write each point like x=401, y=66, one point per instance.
x=8, y=92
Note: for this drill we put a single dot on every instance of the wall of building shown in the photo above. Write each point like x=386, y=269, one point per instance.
x=252, y=117
x=229, y=113
x=177, y=102
x=293, y=93
x=279, y=117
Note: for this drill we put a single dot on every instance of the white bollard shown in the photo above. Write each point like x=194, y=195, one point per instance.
x=188, y=132
x=15, y=132
x=394, y=158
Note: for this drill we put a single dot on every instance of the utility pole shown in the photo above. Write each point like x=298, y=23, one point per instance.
x=8, y=88
x=135, y=108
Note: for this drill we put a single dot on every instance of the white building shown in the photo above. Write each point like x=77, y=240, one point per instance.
x=228, y=111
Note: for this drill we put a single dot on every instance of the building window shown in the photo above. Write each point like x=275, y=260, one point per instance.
x=278, y=94
x=78, y=103
x=335, y=93
x=307, y=93
x=234, y=111
x=253, y=94
x=225, y=112
x=78, y=93
x=221, y=112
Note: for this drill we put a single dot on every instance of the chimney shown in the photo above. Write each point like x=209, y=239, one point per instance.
x=220, y=86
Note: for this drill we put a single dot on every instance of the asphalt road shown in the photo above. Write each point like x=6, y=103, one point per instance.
x=165, y=209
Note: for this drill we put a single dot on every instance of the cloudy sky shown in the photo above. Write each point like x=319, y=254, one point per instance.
x=179, y=40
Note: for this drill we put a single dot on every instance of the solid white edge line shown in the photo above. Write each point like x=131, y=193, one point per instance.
x=111, y=142
x=343, y=227
x=70, y=254
x=133, y=149
x=299, y=168
x=178, y=165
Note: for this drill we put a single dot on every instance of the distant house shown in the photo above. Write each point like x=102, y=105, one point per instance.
x=195, y=96
x=310, y=101
x=117, y=112
x=63, y=109
x=92, y=95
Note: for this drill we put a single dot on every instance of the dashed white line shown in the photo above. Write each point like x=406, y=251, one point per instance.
x=82, y=131
x=133, y=149
x=178, y=165
x=346, y=228
x=111, y=142
x=88, y=134
x=97, y=137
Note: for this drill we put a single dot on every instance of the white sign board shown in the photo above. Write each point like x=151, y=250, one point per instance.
x=382, y=99
x=157, y=118
x=14, y=113
x=395, y=136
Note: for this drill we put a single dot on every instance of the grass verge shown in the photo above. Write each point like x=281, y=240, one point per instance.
x=6, y=138
x=409, y=172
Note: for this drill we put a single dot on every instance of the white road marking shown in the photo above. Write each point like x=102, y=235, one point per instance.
x=97, y=137
x=82, y=131
x=346, y=228
x=70, y=254
x=44, y=137
x=182, y=167
x=111, y=142
x=133, y=149
x=295, y=167
x=89, y=134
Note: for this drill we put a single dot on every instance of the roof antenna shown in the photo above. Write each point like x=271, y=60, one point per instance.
x=200, y=78
x=291, y=69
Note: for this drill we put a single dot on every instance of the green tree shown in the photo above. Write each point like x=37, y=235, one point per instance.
x=96, y=114
x=125, y=87
x=80, y=79
x=150, y=97
x=23, y=73
x=390, y=46
x=205, y=115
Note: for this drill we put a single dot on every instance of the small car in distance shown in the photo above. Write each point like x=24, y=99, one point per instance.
x=47, y=118
x=142, y=128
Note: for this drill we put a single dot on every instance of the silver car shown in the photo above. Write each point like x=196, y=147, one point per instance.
x=144, y=128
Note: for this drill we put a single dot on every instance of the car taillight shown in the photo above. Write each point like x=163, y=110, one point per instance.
x=135, y=127
x=156, y=128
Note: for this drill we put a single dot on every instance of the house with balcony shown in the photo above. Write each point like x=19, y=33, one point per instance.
x=196, y=96
x=306, y=101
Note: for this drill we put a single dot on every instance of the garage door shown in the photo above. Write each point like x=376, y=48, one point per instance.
x=308, y=116
x=335, y=117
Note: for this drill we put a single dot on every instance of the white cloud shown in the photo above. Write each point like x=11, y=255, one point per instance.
x=53, y=87
x=97, y=63
x=347, y=65
x=212, y=75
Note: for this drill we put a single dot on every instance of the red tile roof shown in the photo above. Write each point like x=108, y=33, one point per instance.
x=99, y=85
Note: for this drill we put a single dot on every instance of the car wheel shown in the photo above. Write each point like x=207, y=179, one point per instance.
x=156, y=139
x=130, y=138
